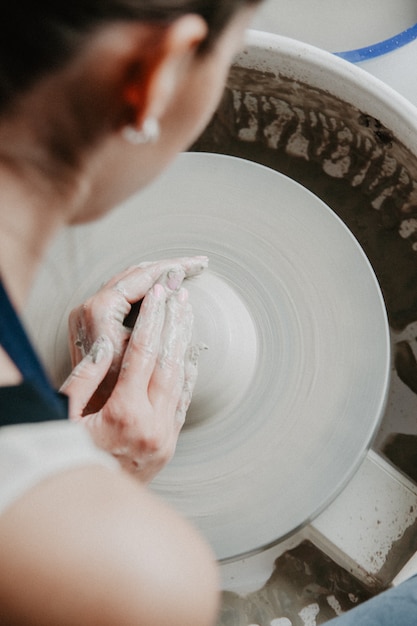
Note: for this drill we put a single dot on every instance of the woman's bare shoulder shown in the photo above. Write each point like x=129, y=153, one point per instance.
x=91, y=545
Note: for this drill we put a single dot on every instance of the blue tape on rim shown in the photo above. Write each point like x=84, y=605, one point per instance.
x=378, y=49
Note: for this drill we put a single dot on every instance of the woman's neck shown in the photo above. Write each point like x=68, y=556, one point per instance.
x=28, y=221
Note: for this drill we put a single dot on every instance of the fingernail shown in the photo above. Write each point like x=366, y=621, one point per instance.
x=175, y=276
x=182, y=295
x=199, y=263
x=158, y=291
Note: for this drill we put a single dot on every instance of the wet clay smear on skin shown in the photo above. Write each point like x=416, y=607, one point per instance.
x=344, y=156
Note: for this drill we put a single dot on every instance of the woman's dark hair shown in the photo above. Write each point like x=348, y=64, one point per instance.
x=42, y=35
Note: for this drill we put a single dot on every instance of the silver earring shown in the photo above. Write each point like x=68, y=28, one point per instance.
x=149, y=133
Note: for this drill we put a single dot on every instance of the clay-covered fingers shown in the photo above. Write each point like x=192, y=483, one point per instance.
x=134, y=282
x=86, y=377
x=190, y=378
x=114, y=309
x=170, y=273
x=167, y=380
x=139, y=424
x=105, y=312
x=102, y=314
x=192, y=266
x=143, y=348
x=136, y=407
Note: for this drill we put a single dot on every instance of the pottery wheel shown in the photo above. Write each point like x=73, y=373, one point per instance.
x=294, y=379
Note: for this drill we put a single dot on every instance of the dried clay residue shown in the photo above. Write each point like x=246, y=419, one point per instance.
x=306, y=589
x=345, y=156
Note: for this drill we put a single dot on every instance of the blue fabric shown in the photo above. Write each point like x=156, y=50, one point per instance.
x=24, y=404
x=16, y=343
x=395, y=607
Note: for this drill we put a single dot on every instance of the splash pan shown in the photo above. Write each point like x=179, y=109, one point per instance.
x=293, y=383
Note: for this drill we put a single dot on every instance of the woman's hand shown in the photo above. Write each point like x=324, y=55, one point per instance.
x=113, y=310
x=152, y=367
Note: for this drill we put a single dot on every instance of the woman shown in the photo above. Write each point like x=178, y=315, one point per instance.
x=96, y=98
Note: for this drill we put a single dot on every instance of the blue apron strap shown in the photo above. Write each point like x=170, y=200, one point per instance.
x=16, y=343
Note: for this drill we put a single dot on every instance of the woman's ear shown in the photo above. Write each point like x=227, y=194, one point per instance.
x=160, y=67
